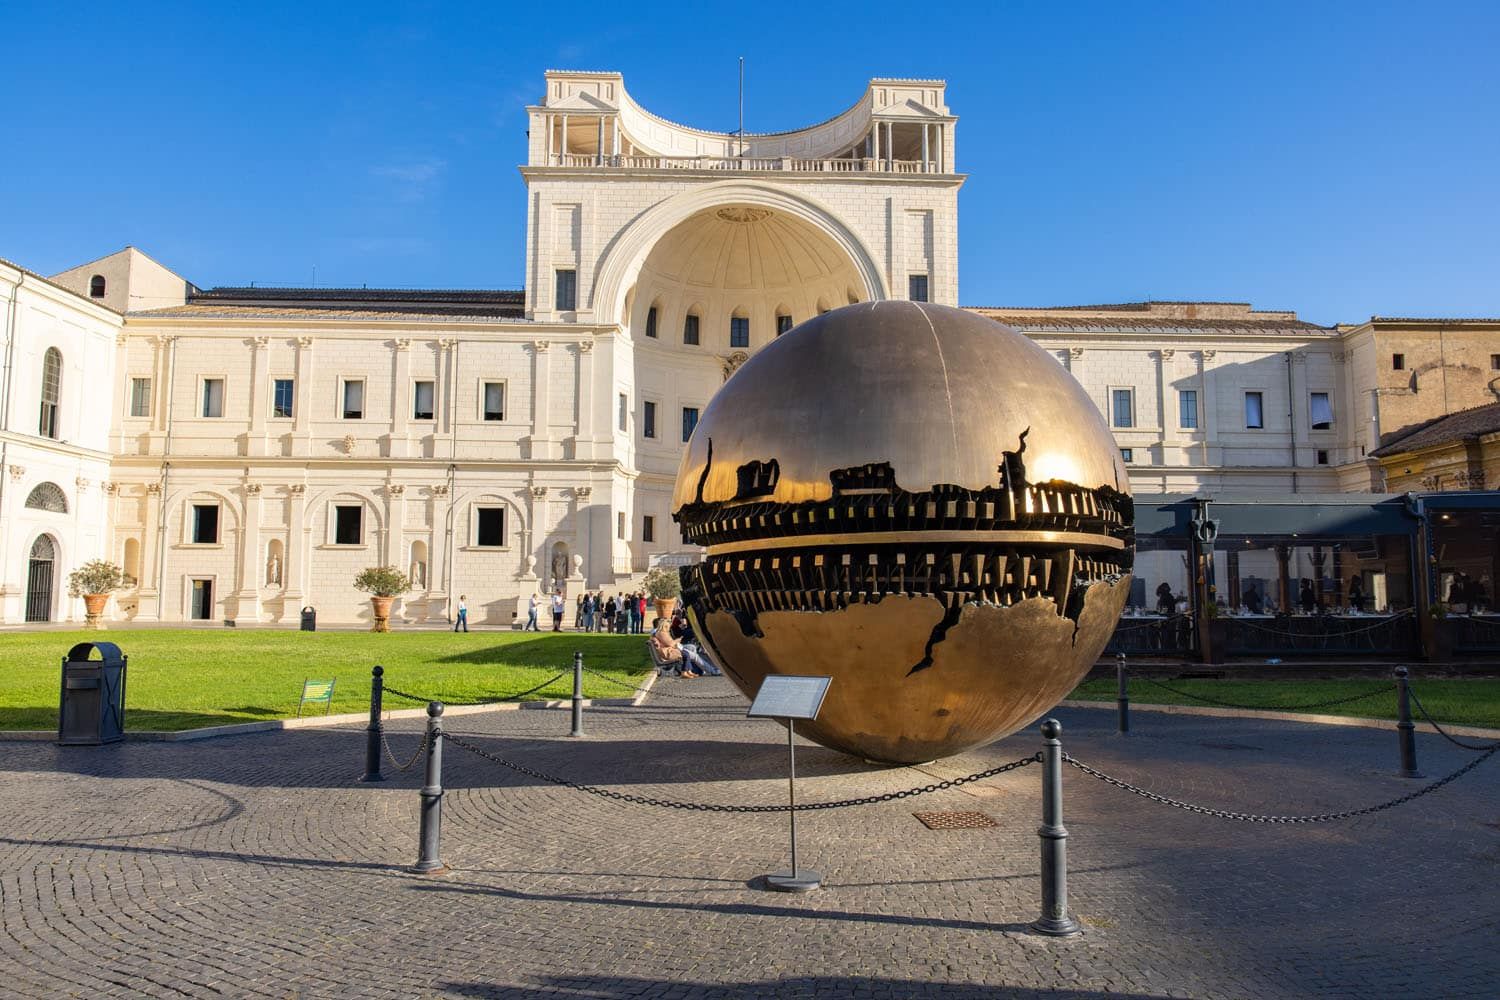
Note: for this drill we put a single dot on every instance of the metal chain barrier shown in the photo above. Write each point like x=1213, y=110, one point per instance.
x=1443, y=732
x=414, y=757
x=487, y=701
x=1254, y=818
x=1385, y=688
x=655, y=693
x=714, y=807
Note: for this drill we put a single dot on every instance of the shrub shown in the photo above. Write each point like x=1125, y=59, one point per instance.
x=97, y=577
x=663, y=583
x=382, y=581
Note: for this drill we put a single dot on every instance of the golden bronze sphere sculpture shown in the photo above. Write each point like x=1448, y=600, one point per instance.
x=919, y=502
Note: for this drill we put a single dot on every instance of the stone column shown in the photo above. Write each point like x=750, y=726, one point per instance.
x=398, y=442
x=1208, y=399
x=255, y=440
x=439, y=553
x=252, y=564
x=583, y=517
x=1163, y=358
x=302, y=404
x=149, y=608
x=583, y=441
x=122, y=367
x=926, y=128
x=541, y=400
x=294, y=573
x=444, y=394
x=395, y=521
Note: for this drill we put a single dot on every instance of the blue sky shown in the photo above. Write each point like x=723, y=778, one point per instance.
x=1336, y=159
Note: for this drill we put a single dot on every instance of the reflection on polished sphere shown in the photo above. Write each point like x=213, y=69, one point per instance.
x=918, y=502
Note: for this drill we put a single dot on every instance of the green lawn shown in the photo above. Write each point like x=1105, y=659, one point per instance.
x=186, y=678
x=1460, y=701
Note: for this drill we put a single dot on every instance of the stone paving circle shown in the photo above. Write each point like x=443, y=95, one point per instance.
x=257, y=866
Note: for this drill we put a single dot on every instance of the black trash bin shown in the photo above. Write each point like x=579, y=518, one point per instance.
x=91, y=710
x=309, y=619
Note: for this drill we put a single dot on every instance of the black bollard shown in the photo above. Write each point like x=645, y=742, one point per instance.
x=1122, y=693
x=1055, y=921
x=429, y=838
x=577, y=695
x=1406, y=730
x=376, y=729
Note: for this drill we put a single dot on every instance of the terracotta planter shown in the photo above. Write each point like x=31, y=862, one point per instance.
x=664, y=606
x=93, y=608
x=382, y=609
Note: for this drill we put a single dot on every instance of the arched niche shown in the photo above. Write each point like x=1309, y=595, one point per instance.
x=275, y=563
x=132, y=561
x=417, y=565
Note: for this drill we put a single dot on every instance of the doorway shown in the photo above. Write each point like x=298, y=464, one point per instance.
x=39, y=580
x=203, y=600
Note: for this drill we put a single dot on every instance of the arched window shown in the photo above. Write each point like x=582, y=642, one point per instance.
x=651, y=322
x=96, y=287
x=51, y=387
x=47, y=496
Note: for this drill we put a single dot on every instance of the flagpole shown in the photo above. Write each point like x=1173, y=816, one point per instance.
x=742, y=105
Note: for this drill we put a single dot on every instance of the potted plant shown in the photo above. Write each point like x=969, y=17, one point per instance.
x=94, y=581
x=384, y=584
x=663, y=584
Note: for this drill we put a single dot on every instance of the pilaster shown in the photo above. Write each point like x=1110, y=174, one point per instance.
x=252, y=567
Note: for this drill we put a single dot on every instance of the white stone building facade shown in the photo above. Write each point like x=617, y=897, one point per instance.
x=263, y=445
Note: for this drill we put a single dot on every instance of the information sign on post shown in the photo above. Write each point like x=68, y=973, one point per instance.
x=788, y=697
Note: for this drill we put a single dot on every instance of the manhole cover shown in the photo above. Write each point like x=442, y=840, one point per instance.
x=955, y=820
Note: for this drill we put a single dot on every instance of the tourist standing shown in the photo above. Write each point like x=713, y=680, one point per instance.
x=463, y=614
x=590, y=608
x=531, y=607
x=558, y=605
x=610, y=607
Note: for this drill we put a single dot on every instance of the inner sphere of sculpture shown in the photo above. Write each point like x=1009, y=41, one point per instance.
x=918, y=502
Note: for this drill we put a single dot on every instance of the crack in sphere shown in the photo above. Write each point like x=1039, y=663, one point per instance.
x=918, y=502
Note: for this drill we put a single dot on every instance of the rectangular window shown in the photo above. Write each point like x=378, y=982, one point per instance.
x=1321, y=408
x=489, y=527
x=648, y=419
x=281, y=398
x=1187, y=407
x=567, y=290
x=1495, y=362
x=648, y=528
x=1255, y=417
x=1122, y=407
x=783, y=323
x=1127, y=454
x=620, y=525
x=205, y=524
x=1398, y=362
x=624, y=412
x=1322, y=457
x=689, y=422
x=213, y=397
x=739, y=331
x=203, y=600
x=690, y=329
x=348, y=520
x=651, y=322
x=140, y=397
x=494, y=401
x=421, y=400
x=916, y=287
x=354, y=399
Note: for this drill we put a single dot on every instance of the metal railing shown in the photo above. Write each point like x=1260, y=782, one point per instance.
x=788, y=164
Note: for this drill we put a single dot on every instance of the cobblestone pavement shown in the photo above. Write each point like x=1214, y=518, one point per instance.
x=257, y=866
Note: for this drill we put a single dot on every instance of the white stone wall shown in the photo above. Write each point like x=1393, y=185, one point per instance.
x=36, y=315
